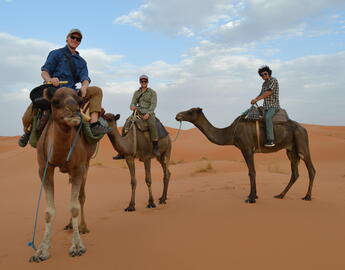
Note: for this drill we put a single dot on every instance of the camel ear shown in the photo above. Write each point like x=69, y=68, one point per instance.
x=198, y=110
x=117, y=117
x=49, y=92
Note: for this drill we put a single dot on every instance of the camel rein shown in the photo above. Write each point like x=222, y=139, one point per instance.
x=32, y=243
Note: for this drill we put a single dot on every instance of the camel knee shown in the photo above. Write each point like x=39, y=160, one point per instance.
x=82, y=198
x=252, y=174
x=49, y=215
x=148, y=182
x=74, y=212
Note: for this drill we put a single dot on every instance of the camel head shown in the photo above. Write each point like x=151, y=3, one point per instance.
x=65, y=104
x=191, y=115
x=111, y=117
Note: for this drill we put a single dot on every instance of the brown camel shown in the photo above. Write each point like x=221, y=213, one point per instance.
x=241, y=133
x=137, y=144
x=52, y=150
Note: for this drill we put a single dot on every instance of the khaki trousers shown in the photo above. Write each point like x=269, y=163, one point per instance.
x=94, y=96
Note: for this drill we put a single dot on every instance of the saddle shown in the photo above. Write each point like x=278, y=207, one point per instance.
x=143, y=126
x=255, y=113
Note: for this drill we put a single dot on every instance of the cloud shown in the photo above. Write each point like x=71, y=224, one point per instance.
x=228, y=21
x=220, y=79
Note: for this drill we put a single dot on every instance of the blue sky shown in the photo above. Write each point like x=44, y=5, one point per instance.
x=201, y=53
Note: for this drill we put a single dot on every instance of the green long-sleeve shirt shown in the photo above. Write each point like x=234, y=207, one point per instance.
x=147, y=102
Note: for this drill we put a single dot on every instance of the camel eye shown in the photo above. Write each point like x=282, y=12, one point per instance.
x=190, y=113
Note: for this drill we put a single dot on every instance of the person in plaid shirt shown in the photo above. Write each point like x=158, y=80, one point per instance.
x=270, y=94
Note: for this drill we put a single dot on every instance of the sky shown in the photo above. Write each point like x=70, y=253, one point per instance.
x=197, y=53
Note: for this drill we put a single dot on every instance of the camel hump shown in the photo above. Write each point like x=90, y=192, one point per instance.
x=143, y=126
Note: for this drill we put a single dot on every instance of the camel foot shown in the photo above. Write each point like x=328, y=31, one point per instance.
x=130, y=208
x=279, y=196
x=307, y=198
x=68, y=227
x=40, y=256
x=162, y=200
x=249, y=200
x=83, y=229
x=77, y=250
x=151, y=205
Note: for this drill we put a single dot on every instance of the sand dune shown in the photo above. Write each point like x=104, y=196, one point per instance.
x=205, y=225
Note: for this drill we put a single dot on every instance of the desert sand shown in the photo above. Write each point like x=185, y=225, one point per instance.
x=205, y=225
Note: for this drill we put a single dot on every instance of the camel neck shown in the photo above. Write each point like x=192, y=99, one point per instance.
x=115, y=138
x=61, y=143
x=220, y=136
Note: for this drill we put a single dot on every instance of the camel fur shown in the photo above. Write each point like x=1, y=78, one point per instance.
x=289, y=135
x=137, y=144
x=55, y=142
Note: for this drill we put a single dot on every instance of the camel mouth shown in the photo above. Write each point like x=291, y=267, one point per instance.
x=72, y=121
x=179, y=117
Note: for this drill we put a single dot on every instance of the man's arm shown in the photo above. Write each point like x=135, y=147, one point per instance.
x=84, y=85
x=46, y=77
x=153, y=105
x=262, y=96
x=132, y=106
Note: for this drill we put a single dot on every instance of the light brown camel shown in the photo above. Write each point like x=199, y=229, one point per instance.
x=137, y=144
x=242, y=134
x=55, y=143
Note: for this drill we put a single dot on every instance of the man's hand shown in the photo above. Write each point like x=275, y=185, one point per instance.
x=133, y=108
x=55, y=81
x=253, y=101
x=146, y=116
x=83, y=91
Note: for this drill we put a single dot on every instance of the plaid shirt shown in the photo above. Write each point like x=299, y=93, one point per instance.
x=271, y=101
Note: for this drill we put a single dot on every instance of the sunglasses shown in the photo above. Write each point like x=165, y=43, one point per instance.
x=264, y=74
x=76, y=38
x=143, y=81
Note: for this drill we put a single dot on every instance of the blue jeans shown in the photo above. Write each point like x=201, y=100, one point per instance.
x=269, y=113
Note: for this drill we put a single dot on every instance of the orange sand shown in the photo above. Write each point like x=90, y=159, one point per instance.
x=205, y=225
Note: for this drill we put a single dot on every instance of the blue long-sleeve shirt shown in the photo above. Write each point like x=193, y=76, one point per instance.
x=57, y=65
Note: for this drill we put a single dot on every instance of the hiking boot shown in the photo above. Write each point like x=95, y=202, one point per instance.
x=24, y=139
x=118, y=156
x=155, y=149
x=269, y=144
x=97, y=129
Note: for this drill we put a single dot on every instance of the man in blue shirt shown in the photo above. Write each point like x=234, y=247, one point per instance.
x=65, y=64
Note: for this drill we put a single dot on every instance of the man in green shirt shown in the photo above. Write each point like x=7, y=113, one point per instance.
x=144, y=101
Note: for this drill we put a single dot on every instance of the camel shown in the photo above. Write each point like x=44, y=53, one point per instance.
x=289, y=135
x=137, y=144
x=52, y=150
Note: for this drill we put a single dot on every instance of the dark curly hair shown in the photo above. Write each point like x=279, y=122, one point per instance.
x=263, y=69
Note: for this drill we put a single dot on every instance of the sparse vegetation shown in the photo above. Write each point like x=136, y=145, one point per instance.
x=175, y=162
x=274, y=168
x=97, y=164
x=205, y=168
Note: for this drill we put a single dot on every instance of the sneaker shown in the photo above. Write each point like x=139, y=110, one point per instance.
x=118, y=156
x=269, y=144
x=97, y=129
x=24, y=139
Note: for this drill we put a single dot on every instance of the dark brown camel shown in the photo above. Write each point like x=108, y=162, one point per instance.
x=55, y=143
x=137, y=144
x=241, y=133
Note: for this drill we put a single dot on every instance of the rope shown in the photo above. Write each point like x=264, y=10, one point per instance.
x=32, y=243
x=178, y=132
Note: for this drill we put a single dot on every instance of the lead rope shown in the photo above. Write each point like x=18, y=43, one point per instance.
x=32, y=243
x=178, y=132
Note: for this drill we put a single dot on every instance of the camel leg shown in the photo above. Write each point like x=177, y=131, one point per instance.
x=166, y=178
x=311, y=173
x=42, y=253
x=82, y=197
x=148, y=181
x=131, y=167
x=249, y=157
x=294, y=160
x=77, y=248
